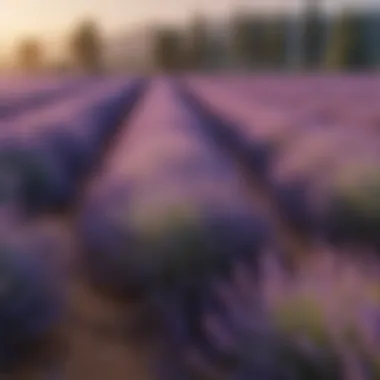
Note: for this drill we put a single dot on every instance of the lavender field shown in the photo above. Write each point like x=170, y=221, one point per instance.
x=190, y=227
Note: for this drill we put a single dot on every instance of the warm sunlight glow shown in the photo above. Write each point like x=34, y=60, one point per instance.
x=20, y=17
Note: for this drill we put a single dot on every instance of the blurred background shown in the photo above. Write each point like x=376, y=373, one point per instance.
x=224, y=221
x=150, y=35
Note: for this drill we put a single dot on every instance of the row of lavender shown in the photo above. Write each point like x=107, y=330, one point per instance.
x=168, y=220
x=346, y=99
x=321, y=160
x=166, y=205
x=44, y=151
x=19, y=94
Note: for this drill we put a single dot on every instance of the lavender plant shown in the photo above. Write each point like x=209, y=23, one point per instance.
x=32, y=292
x=354, y=206
x=319, y=323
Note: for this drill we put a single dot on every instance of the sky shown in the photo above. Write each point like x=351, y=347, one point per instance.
x=18, y=17
x=50, y=19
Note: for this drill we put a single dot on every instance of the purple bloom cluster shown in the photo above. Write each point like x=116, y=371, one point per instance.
x=170, y=220
x=320, y=322
x=32, y=287
x=300, y=141
x=48, y=149
x=168, y=207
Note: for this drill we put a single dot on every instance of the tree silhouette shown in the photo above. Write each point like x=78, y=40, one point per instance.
x=313, y=34
x=168, y=52
x=276, y=41
x=198, y=43
x=86, y=46
x=30, y=54
x=241, y=39
x=349, y=46
x=248, y=40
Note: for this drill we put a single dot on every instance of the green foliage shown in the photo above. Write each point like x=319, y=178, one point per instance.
x=177, y=242
x=30, y=55
x=303, y=315
x=86, y=46
x=374, y=368
x=302, y=318
x=336, y=55
x=314, y=365
x=355, y=203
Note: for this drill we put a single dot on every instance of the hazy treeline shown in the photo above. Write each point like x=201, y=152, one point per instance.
x=350, y=40
x=84, y=51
